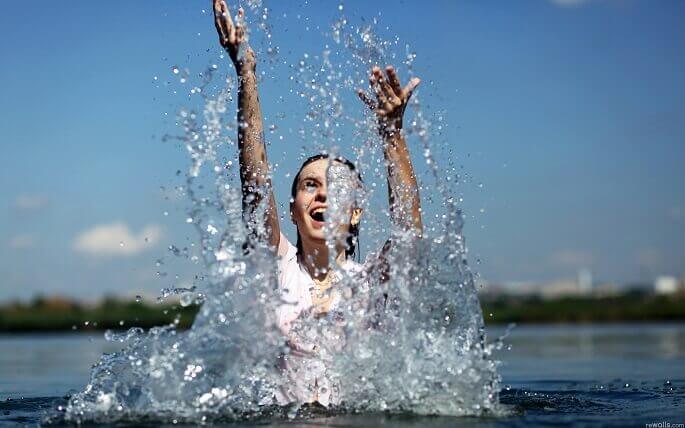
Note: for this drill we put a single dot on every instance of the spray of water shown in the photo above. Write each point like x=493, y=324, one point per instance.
x=413, y=343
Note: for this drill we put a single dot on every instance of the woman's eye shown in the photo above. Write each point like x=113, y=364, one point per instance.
x=309, y=186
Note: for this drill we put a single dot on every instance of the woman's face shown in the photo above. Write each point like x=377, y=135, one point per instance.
x=309, y=208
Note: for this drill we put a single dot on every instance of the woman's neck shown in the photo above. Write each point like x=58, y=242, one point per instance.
x=314, y=257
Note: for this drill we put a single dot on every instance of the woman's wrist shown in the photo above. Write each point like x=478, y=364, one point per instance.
x=245, y=67
x=246, y=72
x=389, y=127
x=246, y=63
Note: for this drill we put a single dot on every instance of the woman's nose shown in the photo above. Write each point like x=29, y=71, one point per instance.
x=320, y=195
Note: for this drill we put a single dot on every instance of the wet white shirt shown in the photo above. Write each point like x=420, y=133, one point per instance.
x=306, y=378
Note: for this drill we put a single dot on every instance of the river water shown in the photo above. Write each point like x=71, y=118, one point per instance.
x=619, y=374
x=421, y=354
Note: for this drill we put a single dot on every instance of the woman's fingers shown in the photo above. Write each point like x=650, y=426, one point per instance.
x=388, y=93
x=394, y=80
x=407, y=91
x=228, y=32
x=391, y=97
x=239, y=34
x=373, y=81
x=232, y=39
x=219, y=22
x=239, y=28
x=366, y=99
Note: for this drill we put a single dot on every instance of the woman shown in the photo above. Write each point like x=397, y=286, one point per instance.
x=306, y=278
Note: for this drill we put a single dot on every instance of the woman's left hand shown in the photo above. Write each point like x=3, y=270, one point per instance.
x=391, y=98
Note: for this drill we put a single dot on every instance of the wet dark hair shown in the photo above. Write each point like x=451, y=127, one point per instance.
x=353, y=237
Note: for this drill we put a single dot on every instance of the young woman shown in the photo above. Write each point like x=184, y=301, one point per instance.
x=306, y=279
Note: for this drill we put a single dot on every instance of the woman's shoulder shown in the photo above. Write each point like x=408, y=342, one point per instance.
x=290, y=275
x=286, y=251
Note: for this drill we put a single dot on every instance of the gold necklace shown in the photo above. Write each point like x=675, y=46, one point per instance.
x=321, y=297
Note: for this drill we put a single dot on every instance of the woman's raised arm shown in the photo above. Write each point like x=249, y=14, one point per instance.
x=403, y=192
x=254, y=168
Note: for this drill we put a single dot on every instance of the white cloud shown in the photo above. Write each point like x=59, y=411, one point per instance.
x=28, y=202
x=22, y=242
x=116, y=239
x=568, y=3
x=572, y=258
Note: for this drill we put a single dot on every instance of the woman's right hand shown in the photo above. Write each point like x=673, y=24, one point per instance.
x=232, y=36
x=391, y=98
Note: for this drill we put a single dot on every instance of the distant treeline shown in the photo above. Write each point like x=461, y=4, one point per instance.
x=633, y=306
x=57, y=314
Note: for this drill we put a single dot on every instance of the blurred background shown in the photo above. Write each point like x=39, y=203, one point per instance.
x=565, y=118
x=562, y=122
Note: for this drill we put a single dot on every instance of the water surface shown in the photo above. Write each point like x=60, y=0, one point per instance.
x=620, y=374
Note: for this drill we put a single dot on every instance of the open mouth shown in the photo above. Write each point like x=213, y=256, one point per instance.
x=318, y=214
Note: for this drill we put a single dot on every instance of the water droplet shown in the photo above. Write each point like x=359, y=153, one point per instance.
x=139, y=299
x=174, y=70
x=187, y=299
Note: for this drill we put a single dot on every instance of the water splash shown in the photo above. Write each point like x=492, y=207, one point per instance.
x=414, y=343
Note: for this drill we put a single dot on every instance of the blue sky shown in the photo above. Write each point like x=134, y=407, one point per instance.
x=570, y=113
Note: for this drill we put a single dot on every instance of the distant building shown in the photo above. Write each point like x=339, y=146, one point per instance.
x=520, y=288
x=560, y=288
x=584, y=281
x=666, y=285
x=606, y=289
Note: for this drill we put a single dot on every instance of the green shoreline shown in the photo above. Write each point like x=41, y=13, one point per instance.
x=54, y=315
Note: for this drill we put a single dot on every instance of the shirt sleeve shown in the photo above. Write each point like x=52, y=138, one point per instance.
x=283, y=246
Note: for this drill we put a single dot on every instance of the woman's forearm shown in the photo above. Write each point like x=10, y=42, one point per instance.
x=391, y=101
x=254, y=168
x=403, y=190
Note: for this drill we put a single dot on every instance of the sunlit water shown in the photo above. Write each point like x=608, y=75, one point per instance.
x=424, y=352
x=551, y=375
